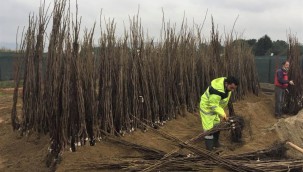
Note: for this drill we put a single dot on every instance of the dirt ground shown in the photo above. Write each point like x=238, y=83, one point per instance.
x=28, y=153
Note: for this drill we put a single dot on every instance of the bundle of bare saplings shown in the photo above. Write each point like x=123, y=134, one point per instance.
x=79, y=92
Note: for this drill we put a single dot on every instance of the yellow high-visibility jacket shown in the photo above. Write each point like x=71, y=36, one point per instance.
x=213, y=102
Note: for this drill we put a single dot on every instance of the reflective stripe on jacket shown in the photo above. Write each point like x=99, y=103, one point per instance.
x=212, y=105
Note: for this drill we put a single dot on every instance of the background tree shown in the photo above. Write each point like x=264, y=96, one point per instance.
x=301, y=49
x=279, y=47
x=241, y=41
x=263, y=45
x=251, y=42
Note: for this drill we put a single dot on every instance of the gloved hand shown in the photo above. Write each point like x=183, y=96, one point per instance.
x=225, y=117
x=291, y=82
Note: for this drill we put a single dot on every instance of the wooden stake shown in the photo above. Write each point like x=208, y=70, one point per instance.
x=295, y=146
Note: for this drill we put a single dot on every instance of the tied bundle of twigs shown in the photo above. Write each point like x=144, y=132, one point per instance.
x=77, y=91
x=294, y=99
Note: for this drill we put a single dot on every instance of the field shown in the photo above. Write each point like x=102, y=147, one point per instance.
x=28, y=153
x=135, y=97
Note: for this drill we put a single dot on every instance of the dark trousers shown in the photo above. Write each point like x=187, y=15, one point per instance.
x=279, y=100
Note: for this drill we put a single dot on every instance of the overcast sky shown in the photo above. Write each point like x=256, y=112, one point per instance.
x=276, y=18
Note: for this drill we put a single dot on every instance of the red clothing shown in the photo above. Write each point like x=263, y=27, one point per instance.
x=281, y=78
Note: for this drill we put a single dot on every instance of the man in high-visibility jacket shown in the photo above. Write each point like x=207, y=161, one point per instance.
x=212, y=105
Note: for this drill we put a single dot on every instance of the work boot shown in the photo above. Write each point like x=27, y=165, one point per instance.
x=216, y=139
x=209, y=143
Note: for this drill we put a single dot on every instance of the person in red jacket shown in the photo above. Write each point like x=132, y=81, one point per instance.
x=281, y=84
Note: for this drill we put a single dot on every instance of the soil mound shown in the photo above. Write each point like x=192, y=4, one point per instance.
x=291, y=129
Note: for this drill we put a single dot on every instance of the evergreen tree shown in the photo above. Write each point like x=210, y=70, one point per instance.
x=279, y=47
x=263, y=45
